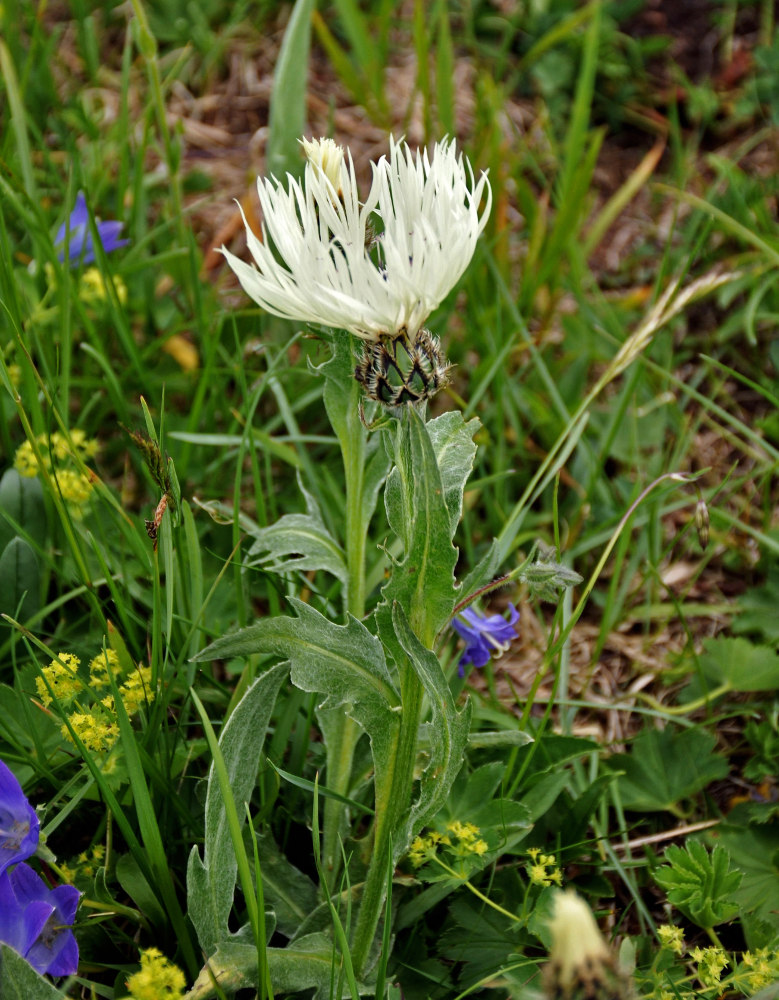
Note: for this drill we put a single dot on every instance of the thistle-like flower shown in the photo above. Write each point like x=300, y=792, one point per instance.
x=319, y=261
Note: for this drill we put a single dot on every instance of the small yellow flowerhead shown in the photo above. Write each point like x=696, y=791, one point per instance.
x=62, y=677
x=711, y=962
x=74, y=487
x=158, y=978
x=543, y=869
x=25, y=462
x=59, y=446
x=87, y=447
x=136, y=690
x=99, y=668
x=671, y=938
x=761, y=968
x=96, y=730
x=93, y=287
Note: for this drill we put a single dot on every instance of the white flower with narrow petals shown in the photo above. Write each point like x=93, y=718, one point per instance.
x=319, y=262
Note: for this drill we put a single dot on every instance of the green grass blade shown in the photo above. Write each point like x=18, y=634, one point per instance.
x=287, y=121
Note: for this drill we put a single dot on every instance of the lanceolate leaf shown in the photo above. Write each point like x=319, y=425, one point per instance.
x=290, y=893
x=288, y=107
x=19, y=580
x=345, y=662
x=21, y=506
x=423, y=581
x=298, y=542
x=19, y=981
x=452, y=441
x=211, y=881
x=483, y=571
x=307, y=963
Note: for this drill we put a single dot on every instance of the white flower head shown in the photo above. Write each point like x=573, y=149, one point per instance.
x=319, y=262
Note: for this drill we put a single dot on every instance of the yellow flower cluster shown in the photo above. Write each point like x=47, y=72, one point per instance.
x=460, y=840
x=711, y=962
x=671, y=938
x=158, y=979
x=85, y=866
x=756, y=970
x=761, y=968
x=62, y=677
x=543, y=868
x=95, y=724
x=96, y=730
x=106, y=662
x=93, y=288
x=135, y=691
x=56, y=450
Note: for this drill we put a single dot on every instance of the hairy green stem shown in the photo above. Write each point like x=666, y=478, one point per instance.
x=342, y=401
x=392, y=803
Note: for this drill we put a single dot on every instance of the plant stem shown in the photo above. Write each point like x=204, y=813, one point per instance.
x=392, y=802
x=342, y=400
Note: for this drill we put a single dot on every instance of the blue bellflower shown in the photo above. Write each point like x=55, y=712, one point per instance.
x=485, y=635
x=81, y=247
x=19, y=826
x=36, y=921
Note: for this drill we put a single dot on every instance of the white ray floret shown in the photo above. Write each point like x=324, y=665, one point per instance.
x=319, y=263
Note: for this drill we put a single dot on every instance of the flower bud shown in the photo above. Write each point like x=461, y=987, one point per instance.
x=581, y=964
x=328, y=156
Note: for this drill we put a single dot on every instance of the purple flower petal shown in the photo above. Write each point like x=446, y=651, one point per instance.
x=484, y=635
x=109, y=233
x=20, y=925
x=65, y=962
x=36, y=920
x=79, y=219
x=81, y=247
x=19, y=825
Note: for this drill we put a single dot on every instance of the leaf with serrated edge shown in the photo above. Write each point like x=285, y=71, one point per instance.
x=666, y=766
x=211, y=881
x=298, y=542
x=741, y=664
x=345, y=662
x=700, y=884
x=423, y=581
